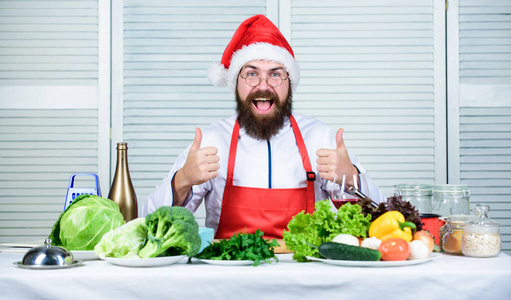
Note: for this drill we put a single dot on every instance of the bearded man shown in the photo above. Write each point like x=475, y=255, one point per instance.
x=259, y=168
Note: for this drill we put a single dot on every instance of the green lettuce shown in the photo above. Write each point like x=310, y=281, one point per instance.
x=167, y=231
x=123, y=242
x=353, y=221
x=307, y=231
x=85, y=221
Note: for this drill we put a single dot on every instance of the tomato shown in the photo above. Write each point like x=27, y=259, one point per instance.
x=394, y=249
x=426, y=237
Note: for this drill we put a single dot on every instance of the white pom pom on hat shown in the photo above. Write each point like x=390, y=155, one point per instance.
x=257, y=38
x=217, y=74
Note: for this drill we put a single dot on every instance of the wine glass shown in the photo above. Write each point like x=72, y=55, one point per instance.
x=342, y=197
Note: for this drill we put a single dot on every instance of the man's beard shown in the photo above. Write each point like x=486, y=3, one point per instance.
x=258, y=126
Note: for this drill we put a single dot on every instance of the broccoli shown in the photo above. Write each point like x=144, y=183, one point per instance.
x=171, y=231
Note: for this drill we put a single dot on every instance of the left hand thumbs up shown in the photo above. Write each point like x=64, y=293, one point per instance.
x=340, y=141
x=333, y=163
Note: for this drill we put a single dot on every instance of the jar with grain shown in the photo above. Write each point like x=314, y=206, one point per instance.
x=451, y=233
x=481, y=236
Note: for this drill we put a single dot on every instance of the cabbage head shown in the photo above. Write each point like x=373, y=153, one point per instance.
x=123, y=242
x=85, y=221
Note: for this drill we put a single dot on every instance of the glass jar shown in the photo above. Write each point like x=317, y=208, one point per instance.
x=452, y=232
x=419, y=195
x=449, y=199
x=481, y=236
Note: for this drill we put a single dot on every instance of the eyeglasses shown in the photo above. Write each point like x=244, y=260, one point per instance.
x=252, y=79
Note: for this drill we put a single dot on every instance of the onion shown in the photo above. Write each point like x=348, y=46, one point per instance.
x=418, y=250
x=371, y=243
x=426, y=237
x=347, y=239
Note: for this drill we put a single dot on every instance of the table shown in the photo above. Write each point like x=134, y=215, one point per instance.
x=446, y=277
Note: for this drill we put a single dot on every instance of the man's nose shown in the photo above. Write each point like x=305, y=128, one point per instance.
x=263, y=85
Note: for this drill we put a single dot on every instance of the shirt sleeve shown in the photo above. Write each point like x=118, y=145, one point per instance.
x=367, y=186
x=164, y=196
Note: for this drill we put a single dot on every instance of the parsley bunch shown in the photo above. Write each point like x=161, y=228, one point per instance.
x=242, y=246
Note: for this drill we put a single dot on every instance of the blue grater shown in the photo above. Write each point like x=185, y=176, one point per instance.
x=73, y=192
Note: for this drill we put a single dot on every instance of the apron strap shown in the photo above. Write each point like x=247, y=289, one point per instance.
x=311, y=176
x=232, y=153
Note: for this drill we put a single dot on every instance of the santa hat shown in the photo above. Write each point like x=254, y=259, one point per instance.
x=257, y=38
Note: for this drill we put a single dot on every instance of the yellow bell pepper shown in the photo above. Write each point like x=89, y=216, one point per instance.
x=391, y=225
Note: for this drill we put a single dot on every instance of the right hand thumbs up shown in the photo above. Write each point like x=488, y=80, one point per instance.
x=197, y=140
x=201, y=164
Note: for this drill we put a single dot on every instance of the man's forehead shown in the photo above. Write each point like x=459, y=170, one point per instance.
x=264, y=65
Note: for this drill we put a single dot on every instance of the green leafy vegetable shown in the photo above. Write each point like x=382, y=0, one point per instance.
x=85, y=221
x=242, y=246
x=352, y=221
x=305, y=230
x=171, y=231
x=368, y=208
x=123, y=242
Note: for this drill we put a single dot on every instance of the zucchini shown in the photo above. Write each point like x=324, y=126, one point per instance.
x=340, y=251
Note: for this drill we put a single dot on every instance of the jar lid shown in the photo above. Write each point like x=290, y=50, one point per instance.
x=458, y=221
x=414, y=189
x=451, y=190
x=449, y=187
x=481, y=223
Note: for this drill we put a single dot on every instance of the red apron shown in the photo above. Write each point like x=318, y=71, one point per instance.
x=270, y=210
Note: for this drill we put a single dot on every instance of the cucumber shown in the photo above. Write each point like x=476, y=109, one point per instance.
x=340, y=251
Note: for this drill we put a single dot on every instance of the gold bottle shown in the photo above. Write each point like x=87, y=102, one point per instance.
x=122, y=191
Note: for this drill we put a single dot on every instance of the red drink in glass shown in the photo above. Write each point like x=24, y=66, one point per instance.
x=340, y=202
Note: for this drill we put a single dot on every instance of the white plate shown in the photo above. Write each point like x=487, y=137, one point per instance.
x=228, y=262
x=145, y=262
x=374, y=264
x=84, y=254
x=23, y=244
x=231, y=262
x=14, y=250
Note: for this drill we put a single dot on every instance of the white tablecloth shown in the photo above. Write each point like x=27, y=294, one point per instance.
x=446, y=277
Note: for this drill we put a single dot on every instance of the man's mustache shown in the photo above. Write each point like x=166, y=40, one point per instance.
x=263, y=94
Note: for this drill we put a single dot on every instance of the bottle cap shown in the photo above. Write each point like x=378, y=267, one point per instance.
x=122, y=146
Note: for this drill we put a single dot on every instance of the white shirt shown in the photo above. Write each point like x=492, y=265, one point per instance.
x=261, y=164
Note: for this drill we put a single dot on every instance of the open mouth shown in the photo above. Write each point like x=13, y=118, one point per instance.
x=263, y=105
